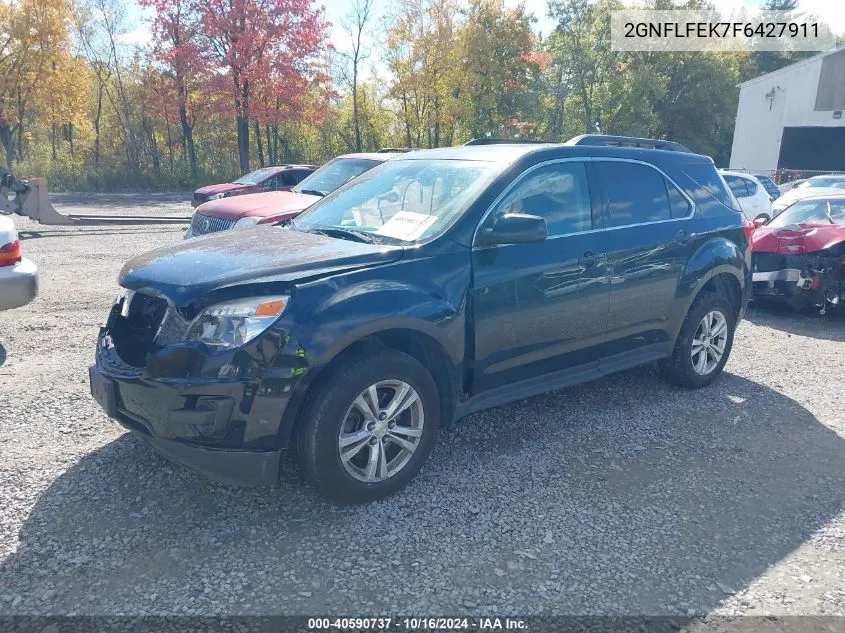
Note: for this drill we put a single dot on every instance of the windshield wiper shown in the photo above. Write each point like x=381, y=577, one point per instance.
x=312, y=192
x=342, y=233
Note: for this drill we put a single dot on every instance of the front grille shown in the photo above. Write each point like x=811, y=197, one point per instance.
x=134, y=335
x=204, y=224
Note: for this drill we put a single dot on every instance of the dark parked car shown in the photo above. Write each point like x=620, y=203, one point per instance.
x=437, y=284
x=276, y=178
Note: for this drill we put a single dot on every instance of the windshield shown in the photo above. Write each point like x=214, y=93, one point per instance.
x=333, y=174
x=255, y=177
x=402, y=200
x=823, y=181
x=811, y=212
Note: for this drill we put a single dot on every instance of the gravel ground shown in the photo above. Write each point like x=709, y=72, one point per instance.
x=623, y=496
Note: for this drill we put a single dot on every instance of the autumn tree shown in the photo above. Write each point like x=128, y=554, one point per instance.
x=355, y=23
x=33, y=33
x=261, y=42
x=498, y=61
x=181, y=50
x=422, y=58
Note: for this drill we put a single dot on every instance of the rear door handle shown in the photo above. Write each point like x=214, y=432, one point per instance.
x=591, y=258
x=682, y=237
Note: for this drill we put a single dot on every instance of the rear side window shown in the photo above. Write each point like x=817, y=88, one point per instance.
x=708, y=186
x=289, y=178
x=752, y=187
x=636, y=193
x=558, y=192
x=737, y=185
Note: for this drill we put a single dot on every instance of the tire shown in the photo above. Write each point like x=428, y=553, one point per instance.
x=680, y=369
x=339, y=406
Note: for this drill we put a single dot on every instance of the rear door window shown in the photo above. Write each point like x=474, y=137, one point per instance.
x=636, y=193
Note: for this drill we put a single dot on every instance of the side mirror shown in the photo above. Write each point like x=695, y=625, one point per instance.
x=514, y=228
x=758, y=222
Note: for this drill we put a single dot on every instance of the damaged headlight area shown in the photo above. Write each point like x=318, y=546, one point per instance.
x=236, y=323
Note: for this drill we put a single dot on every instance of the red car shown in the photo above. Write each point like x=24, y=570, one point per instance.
x=265, y=208
x=276, y=178
x=799, y=255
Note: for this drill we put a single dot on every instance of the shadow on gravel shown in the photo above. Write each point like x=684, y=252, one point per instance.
x=2, y=354
x=830, y=327
x=588, y=500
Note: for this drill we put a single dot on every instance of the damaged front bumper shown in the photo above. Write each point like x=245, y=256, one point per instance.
x=811, y=287
x=222, y=415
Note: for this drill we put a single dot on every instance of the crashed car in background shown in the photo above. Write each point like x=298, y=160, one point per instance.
x=832, y=184
x=276, y=178
x=799, y=256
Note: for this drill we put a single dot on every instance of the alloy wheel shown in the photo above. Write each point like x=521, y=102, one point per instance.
x=381, y=431
x=709, y=342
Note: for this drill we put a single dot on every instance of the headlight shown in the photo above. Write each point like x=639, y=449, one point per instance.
x=246, y=222
x=236, y=323
x=215, y=196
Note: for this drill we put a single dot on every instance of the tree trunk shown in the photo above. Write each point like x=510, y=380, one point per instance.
x=6, y=140
x=355, y=122
x=97, y=126
x=188, y=139
x=259, y=143
x=242, y=121
x=53, y=140
x=70, y=138
x=271, y=153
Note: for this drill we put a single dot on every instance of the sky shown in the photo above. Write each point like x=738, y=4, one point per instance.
x=830, y=11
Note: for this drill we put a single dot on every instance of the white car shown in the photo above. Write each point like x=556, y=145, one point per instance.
x=18, y=276
x=752, y=196
x=815, y=186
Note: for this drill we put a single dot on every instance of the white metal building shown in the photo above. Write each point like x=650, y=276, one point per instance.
x=792, y=118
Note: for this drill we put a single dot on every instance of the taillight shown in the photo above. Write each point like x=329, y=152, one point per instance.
x=748, y=227
x=10, y=254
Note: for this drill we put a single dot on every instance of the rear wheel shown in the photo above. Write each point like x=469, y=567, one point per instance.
x=704, y=343
x=370, y=427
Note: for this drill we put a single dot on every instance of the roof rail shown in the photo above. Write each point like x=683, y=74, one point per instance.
x=628, y=141
x=501, y=141
x=390, y=150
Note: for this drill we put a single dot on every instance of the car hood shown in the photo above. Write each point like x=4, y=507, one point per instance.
x=258, y=205
x=793, y=195
x=222, y=187
x=184, y=272
x=797, y=239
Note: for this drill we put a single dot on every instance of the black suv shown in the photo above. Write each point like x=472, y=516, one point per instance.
x=437, y=284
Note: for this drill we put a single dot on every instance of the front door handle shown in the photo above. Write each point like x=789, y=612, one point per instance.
x=591, y=258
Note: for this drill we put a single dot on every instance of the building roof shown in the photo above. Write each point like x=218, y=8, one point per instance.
x=791, y=67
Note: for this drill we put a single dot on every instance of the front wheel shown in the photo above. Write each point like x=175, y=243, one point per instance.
x=369, y=427
x=704, y=343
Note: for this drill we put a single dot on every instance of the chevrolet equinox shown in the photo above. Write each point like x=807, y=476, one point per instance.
x=435, y=285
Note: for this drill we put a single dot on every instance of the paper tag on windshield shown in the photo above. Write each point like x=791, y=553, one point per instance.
x=407, y=225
